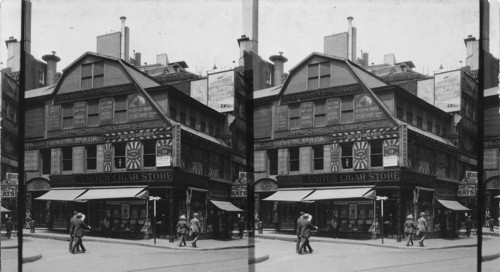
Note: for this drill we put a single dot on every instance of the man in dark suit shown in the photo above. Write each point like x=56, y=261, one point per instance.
x=304, y=228
x=71, y=223
x=77, y=229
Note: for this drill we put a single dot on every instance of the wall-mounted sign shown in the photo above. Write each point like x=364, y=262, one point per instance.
x=104, y=129
x=425, y=90
x=37, y=184
x=9, y=191
x=79, y=114
x=262, y=120
x=133, y=155
x=221, y=91
x=106, y=111
x=107, y=91
x=108, y=157
x=238, y=191
x=306, y=114
x=335, y=157
x=35, y=122
x=360, y=155
x=391, y=152
x=332, y=111
x=265, y=185
x=332, y=178
x=331, y=129
x=281, y=117
x=447, y=91
x=378, y=133
x=54, y=117
x=199, y=90
x=490, y=158
x=143, y=134
x=326, y=92
x=139, y=109
x=31, y=160
x=131, y=177
x=366, y=109
x=466, y=190
x=64, y=142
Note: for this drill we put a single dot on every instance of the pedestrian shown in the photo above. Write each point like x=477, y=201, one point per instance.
x=182, y=229
x=301, y=214
x=304, y=229
x=195, y=229
x=77, y=230
x=9, y=225
x=409, y=229
x=421, y=228
x=468, y=226
x=71, y=223
x=491, y=223
x=241, y=227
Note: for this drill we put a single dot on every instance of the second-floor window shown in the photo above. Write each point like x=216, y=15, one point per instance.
x=192, y=121
x=120, y=109
x=202, y=127
x=320, y=113
x=318, y=76
x=91, y=157
x=347, y=109
x=92, y=75
x=67, y=115
x=294, y=115
x=119, y=155
x=293, y=159
x=93, y=113
x=67, y=158
x=149, y=153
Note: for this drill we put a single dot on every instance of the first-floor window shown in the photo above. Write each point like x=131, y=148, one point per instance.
x=46, y=161
x=376, y=156
x=67, y=158
x=272, y=157
x=294, y=159
x=318, y=157
x=91, y=154
x=119, y=156
x=346, y=155
x=149, y=153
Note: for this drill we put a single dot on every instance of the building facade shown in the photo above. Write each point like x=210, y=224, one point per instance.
x=108, y=136
x=338, y=138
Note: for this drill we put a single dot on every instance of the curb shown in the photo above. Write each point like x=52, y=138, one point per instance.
x=32, y=258
x=8, y=247
x=289, y=239
x=258, y=259
x=490, y=257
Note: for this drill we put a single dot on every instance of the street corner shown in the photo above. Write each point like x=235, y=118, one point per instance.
x=32, y=258
x=258, y=259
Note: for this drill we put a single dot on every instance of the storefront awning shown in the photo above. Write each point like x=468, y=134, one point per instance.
x=62, y=194
x=453, y=205
x=341, y=193
x=111, y=193
x=289, y=195
x=4, y=209
x=226, y=206
x=498, y=196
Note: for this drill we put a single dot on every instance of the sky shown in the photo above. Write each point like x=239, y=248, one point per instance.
x=204, y=33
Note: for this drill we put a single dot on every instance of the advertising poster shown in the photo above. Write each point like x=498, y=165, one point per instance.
x=353, y=211
x=139, y=109
x=490, y=158
x=391, y=152
x=54, y=117
x=365, y=109
x=133, y=155
x=221, y=91
x=360, y=155
x=335, y=157
x=199, y=90
x=447, y=91
x=164, y=152
x=425, y=90
x=125, y=211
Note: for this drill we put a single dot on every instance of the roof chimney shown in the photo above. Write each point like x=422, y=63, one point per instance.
x=124, y=40
x=13, y=54
x=52, y=61
x=251, y=23
x=365, y=59
x=349, y=39
x=472, y=50
x=279, y=62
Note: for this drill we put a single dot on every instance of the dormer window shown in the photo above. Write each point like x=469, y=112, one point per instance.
x=92, y=75
x=319, y=76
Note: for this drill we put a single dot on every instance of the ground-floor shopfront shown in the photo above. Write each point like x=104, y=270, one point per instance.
x=346, y=205
x=123, y=209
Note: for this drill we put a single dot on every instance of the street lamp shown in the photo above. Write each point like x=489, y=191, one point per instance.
x=154, y=199
x=382, y=198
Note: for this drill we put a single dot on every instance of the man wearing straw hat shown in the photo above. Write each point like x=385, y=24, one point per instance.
x=409, y=229
x=421, y=228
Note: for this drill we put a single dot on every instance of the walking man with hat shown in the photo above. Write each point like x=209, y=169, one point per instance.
x=422, y=228
x=77, y=230
x=195, y=229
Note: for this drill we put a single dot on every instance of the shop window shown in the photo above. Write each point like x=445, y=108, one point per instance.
x=92, y=75
x=294, y=115
x=67, y=158
x=46, y=161
x=347, y=113
x=293, y=159
x=346, y=155
x=149, y=153
x=272, y=157
x=93, y=113
x=67, y=115
x=91, y=155
x=376, y=156
x=119, y=156
x=320, y=113
x=318, y=157
x=319, y=76
x=120, y=109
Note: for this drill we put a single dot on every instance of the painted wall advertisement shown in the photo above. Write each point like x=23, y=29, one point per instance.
x=139, y=109
x=164, y=152
x=221, y=91
x=391, y=152
x=425, y=90
x=447, y=91
x=199, y=90
x=365, y=109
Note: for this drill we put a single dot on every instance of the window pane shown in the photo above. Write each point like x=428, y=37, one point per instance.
x=98, y=81
x=294, y=123
x=86, y=83
x=202, y=126
x=183, y=118
x=67, y=110
x=324, y=82
x=87, y=70
x=320, y=120
x=273, y=161
x=149, y=153
x=325, y=69
x=347, y=103
x=347, y=117
x=312, y=84
x=294, y=159
x=120, y=103
x=313, y=70
x=119, y=157
x=91, y=157
x=46, y=161
x=320, y=107
x=294, y=110
x=318, y=157
x=67, y=158
x=99, y=68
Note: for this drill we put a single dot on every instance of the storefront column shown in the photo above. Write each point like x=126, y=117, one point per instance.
x=399, y=204
x=171, y=215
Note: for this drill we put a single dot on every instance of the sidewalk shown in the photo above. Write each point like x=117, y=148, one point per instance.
x=490, y=249
x=203, y=245
x=9, y=249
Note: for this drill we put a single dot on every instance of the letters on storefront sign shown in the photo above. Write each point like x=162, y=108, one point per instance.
x=342, y=177
x=163, y=176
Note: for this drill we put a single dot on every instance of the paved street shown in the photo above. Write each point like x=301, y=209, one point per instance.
x=121, y=257
x=351, y=257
